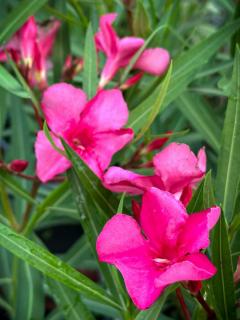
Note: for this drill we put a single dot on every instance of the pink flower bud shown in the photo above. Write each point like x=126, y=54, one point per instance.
x=157, y=143
x=18, y=165
x=131, y=81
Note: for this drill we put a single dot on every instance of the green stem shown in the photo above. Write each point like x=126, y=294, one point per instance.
x=35, y=187
x=183, y=304
x=7, y=208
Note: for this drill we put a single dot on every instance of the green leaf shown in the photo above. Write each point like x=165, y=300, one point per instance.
x=222, y=283
x=82, y=17
x=17, y=17
x=203, y=197
x=184, y=71
x=199, y=113
x=208, y=192
x=196, y=203
x=54, y=197
x=4, y=110
x=20, y=147
x=228, y=173
x=25, y=85
x=163, y=88
x=90, y=80
x=92, y=184
x=52, y=266
x=29, y=303
x=154, y=311
x=120, y=206
x=95, y=206
x=79, y=251
x=69, y=302
x=141, y=29
x=50, y=139
x=15, y=187
x=9, y=83
x=62, y=43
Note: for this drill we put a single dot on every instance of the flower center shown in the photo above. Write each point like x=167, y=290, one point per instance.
x=160, y=262
x=77, y=143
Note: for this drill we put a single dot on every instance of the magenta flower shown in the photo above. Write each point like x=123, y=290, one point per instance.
x=93, y=129
x=30, y=48
x=120, y=51
x=163, y=249
x=176, y=170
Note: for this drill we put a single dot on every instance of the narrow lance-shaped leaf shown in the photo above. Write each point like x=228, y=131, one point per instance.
x=229, y=158
x=140, y=14
x=208, y=192
x=184, y=71
x=69, y=302
x=163, y=88
x=94, y=206
x=15, y=187
x=17, y=17
x=90, y=64
x=92, y=184
x=201, y=117
x=9, y=83
x=196, y=203
x=52, y=266
x=222, y=283
x=62, y=43
x=29, y=303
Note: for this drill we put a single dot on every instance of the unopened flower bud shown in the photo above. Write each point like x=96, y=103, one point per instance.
x=131, y=81
x=18, y=165
x=157, y=143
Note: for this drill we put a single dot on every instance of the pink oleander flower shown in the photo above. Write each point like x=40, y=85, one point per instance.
x=30, y=48
x=93, y=129
x=176, y=170
x=164, y=248
x=120, y=51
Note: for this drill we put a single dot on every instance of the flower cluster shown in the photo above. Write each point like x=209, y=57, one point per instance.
x=161, y=243
x=119, y=52
x=30, y=49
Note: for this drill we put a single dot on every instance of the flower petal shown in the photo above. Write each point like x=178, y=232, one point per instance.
x=194, y=267
x=162, y=217
x=61, y=104
x=108, y=143
x=213, y=215
x=117, y=179
x=47, y=37
x=49, y=162
x=106, y=38
x=106, y=111
x=177, y=166
x=128, y=46
x=122, y=244
x=202, y=160
x=194, y=235
x=154, y=61
x=28, y=37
